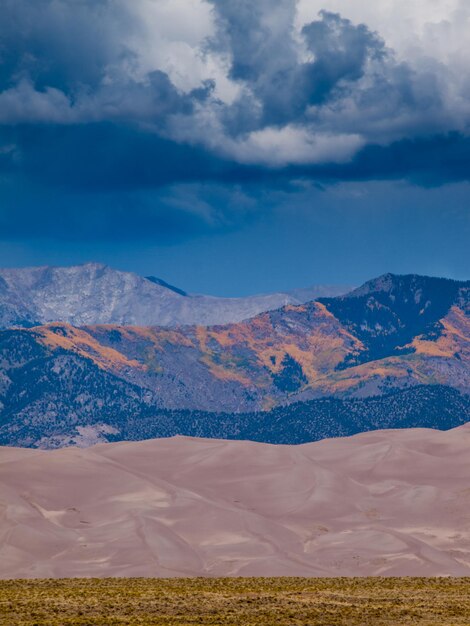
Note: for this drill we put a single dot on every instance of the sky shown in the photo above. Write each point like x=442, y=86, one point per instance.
x=233, y=147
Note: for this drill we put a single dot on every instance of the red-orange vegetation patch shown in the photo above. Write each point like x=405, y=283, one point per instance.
x=82, y=343
x=298, y=308
x=394, y=367
x=455, y=337
x=318, y=351
x=153, y=334
x=344, y=332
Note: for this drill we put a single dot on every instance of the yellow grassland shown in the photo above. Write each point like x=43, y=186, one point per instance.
x=236, y=602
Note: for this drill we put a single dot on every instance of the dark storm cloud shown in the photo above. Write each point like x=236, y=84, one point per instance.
x=106, y=156
x=264, y=55
x=61, y=45
x=100, y=183
x=341, y=52
x=72, y=62
x=66, y=62
x=91, y=136
x=343, y=83
x=428, y=162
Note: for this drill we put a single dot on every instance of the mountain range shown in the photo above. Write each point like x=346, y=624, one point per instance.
x=392, y=353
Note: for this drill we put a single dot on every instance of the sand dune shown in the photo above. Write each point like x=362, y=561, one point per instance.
x=382, y=503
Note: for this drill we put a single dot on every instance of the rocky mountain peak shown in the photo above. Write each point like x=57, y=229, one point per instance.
x=94, y=293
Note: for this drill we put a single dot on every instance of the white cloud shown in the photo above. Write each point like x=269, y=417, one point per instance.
x=169, y=38
x=277, y=147
x=23, y=103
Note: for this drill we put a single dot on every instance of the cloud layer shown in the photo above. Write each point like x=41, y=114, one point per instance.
x=244, y=75
x=103, y=96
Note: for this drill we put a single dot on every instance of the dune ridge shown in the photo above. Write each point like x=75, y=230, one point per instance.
x=389, y=503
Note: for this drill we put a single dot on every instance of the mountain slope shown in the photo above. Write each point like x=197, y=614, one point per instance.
x=185, y=507
x=296, y=352
x=96, y=294
x=101, y=409
x=387, y=313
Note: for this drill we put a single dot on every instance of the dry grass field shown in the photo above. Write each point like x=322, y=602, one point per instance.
x=236, y=601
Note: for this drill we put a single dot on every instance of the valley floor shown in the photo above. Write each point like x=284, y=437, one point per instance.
x=235, y=601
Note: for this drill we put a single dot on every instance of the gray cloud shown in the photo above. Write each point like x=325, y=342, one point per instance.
x=342, y=52
x=267, y=57
x=67, y=62
x=160, y=120
x=61, y=44
x=315, y=95
x=297, y=95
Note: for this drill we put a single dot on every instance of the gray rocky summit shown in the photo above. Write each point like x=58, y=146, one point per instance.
x=97, y=294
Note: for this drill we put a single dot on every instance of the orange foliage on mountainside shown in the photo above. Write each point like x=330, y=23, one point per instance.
x=318, y=347
x=431, y=361
x=455, y=338
x=319, y=350
x=250, y=352
x=67, y=337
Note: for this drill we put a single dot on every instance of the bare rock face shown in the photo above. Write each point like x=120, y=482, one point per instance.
x=96, y=294
x=384, y=503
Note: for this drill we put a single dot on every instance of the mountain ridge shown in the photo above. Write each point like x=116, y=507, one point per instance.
x=94, y=293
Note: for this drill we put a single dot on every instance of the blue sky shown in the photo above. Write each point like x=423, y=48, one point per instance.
x=234, y=147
